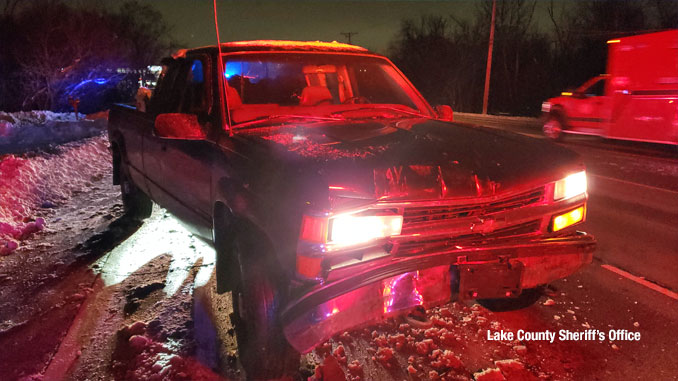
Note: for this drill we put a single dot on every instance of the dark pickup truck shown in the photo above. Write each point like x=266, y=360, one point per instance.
x=335, y=195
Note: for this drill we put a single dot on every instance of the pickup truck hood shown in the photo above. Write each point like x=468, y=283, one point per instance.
x=417, y=158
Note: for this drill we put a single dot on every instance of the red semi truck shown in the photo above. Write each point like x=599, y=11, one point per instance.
x=636, y=100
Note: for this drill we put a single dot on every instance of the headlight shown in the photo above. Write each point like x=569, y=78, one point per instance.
x=350, y=229
x=572, y=185
x=546, y=107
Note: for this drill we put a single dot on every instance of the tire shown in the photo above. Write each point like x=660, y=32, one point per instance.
x=526, y=298
x=136, y=203
x=263, y=350
x=553, y=127
x=226, y=268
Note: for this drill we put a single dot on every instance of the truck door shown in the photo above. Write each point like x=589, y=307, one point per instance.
x=648, y=115
x=179, y=170
x=590, y=108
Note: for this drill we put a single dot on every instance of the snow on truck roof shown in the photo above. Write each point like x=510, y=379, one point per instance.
x=279, y=45
x=294, y=45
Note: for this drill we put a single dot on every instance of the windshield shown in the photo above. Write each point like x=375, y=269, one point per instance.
x=271, y=86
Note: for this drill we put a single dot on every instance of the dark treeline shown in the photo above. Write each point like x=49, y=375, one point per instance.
x=53, y=49
x=50, y=49
x=445, y=56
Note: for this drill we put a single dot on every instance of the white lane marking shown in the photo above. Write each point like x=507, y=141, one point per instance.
x=632, y=183
x=641, y=281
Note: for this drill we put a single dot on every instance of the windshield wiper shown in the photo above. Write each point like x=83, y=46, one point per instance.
x=378, y=107
x=268, y=118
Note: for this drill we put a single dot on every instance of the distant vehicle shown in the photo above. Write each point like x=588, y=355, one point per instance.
x=636, y=100
x=335, y=195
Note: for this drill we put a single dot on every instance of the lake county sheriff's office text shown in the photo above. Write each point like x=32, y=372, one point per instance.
x=564, y=335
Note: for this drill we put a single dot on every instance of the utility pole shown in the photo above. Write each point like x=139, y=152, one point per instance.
x=486, y=94
x=348, y=35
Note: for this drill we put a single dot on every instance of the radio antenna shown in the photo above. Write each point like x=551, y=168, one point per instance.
x=225, y=112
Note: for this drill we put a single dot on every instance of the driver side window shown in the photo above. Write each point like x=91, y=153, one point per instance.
x=195, y=98
x=597, y=89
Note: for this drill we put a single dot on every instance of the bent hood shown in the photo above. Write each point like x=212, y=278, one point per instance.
x=418, y=158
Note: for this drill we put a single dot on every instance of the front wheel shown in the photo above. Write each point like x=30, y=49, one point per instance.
x=264, y=351
x=553, y=127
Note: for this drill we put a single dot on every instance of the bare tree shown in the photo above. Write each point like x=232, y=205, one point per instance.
x=8, y=7
x=665, y=13
x=57, y=46
x=581, y=30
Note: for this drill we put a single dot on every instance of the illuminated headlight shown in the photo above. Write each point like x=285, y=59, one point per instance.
x=350, y=229
x=546, y=106
x=571, y=186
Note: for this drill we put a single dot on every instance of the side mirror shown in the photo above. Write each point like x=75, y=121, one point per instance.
x=445, y=113
x=178, y=126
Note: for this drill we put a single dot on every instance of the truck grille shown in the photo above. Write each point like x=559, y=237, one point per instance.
x=418, y=215
x=439, y=244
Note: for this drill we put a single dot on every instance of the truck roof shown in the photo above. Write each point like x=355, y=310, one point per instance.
x=666, y=36
x=279, y=45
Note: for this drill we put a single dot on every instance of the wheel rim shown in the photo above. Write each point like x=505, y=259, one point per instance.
x=553, y=128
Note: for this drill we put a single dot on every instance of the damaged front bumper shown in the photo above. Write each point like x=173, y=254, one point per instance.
x=391, y=286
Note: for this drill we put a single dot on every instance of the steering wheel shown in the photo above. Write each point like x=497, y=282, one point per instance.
x=358, y=99
x=323, y=102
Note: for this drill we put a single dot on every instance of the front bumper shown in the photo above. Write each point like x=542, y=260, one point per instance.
x=395, y=285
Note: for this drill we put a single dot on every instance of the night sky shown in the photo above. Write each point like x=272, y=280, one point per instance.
x=376, y=22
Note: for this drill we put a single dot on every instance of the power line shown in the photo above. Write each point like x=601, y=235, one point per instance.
x=348, y=35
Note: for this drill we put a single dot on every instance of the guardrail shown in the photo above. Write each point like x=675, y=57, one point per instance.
x=499, y=121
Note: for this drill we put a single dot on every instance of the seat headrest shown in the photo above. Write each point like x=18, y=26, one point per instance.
x=232, y=97
x=314, y=95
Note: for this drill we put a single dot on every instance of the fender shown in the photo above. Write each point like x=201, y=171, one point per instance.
x=231, y=216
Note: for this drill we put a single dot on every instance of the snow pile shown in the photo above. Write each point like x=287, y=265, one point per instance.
x=24, y=118
x=42, y=181
x=26, y=130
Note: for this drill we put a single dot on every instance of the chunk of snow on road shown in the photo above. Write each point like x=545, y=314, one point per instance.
x=355, y=367
x=510, y=364
x=549, y=302
x=492, y=374
x=384, y=354
x=520, y=349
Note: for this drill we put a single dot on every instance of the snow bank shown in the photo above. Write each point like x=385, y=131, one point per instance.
x=26, y=130
x=45, y=180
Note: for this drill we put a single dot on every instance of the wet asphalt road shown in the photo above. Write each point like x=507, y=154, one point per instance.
x=633, y=211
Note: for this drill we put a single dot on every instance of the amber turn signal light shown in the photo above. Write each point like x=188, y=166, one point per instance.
x=567, y=219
